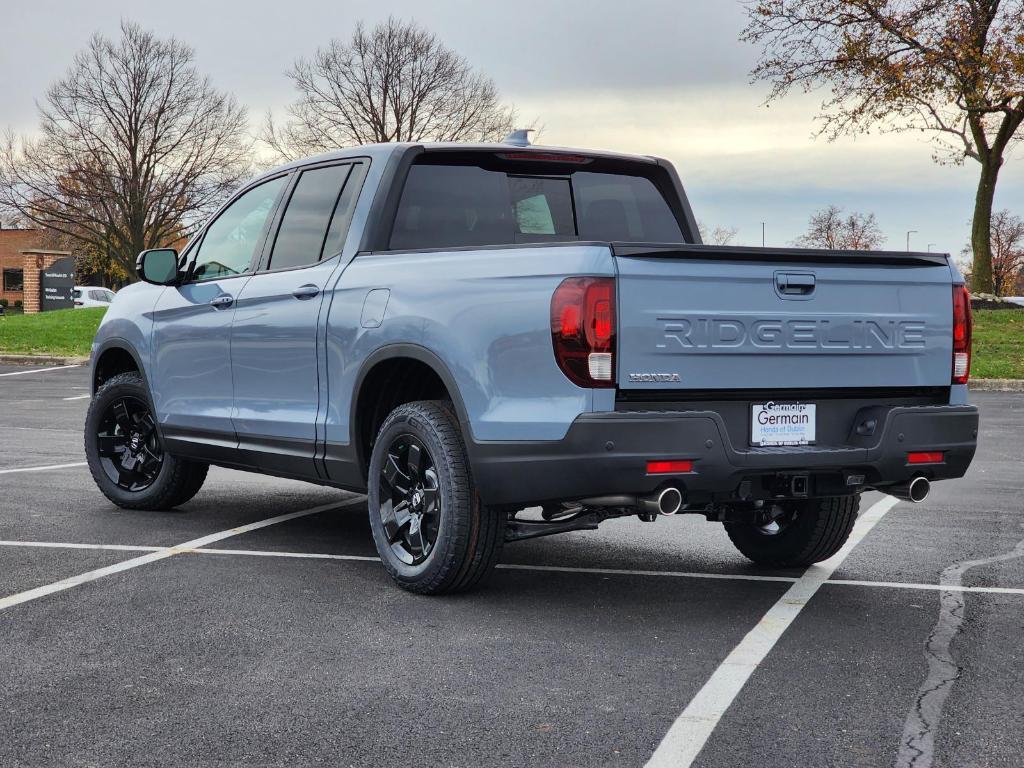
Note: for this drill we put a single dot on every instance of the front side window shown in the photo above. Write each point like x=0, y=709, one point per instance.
x=301, y=238
x=464, y=204
x=234, y=237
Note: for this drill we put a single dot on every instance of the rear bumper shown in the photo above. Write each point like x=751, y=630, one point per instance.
x=607, y=453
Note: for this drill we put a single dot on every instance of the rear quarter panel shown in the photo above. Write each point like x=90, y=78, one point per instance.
x=485, y=313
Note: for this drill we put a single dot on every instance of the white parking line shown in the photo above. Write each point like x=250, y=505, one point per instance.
x=161, y=554
x=43, y=468
x=523, y=567
x=73, y=545
x=42, y=370
x=691, y=730
x=77, y=397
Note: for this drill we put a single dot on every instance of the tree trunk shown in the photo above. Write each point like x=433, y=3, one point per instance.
x=981, y=226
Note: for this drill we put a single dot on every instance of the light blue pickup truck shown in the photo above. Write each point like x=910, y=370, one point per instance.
x=502, y=341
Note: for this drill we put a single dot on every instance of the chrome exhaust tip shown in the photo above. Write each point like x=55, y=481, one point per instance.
x=915, y=491
x=670, y=501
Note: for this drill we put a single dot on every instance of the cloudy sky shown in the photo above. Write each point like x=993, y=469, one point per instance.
x=664, y=77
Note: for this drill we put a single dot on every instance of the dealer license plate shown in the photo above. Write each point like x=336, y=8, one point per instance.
x=782, y=424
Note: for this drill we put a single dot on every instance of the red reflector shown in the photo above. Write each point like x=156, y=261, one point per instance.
x=669, y=467
x=926, y=457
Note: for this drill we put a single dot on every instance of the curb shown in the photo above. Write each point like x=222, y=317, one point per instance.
x=42, y=360
x=996, y=385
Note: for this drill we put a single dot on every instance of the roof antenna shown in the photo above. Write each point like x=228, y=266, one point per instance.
x=519, y=137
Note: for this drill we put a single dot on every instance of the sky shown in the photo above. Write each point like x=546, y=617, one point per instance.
x=661, y=77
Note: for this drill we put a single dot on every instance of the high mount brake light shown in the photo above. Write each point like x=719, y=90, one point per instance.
x=583, y=330
x=546, y=157
x=961, y=335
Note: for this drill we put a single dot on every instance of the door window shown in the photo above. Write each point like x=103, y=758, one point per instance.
x=302, y=237
x=234, y=236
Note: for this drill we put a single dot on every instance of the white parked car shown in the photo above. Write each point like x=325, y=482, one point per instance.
x=91, y=296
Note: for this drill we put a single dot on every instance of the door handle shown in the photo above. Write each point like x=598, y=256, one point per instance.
x=794, y=283
x=306, y=291
x=222, y=302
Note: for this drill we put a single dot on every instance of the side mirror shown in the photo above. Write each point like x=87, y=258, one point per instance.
x=158, y=266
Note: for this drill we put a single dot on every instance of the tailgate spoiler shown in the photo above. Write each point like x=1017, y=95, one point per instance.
x=787, y=255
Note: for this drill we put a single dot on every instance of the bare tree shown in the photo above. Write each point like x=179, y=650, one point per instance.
x=396, y=82
x=719, y=235
x=951, y=68
x=136, y=148
x=829, y=228
x=1007, y=252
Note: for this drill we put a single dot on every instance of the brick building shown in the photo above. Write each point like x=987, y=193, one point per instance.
x=22, y=256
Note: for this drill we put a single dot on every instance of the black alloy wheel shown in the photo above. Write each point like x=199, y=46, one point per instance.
x=128, y=444
x=410, y=505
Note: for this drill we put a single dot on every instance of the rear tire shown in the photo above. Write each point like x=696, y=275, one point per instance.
x=125, y=455
x=430, y=529
x=802, y=533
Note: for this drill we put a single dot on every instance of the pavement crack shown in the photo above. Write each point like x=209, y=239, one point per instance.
x=917, y=746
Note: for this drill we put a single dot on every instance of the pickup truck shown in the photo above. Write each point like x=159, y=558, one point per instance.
x=502, y=341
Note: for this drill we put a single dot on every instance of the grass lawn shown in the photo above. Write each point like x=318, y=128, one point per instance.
x=998, y=344
x=58, y=332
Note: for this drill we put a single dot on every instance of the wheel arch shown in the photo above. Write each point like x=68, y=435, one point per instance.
x=115, y=356
x=382, y=363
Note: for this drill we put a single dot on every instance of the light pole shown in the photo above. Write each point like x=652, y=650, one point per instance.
x=930, y=247
x=909, y=233
x=762, y=234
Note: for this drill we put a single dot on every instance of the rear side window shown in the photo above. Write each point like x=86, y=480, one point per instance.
x=450, y=206
x=302, y=236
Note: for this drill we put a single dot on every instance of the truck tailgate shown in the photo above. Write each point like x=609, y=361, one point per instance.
x=720, y=318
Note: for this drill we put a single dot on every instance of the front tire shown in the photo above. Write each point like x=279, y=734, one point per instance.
x=125, y=455
x=430, y=529
x=792, y=534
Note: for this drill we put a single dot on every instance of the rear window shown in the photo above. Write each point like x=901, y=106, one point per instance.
x=449, y=206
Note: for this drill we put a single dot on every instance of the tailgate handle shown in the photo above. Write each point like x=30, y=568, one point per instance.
x=794, y=283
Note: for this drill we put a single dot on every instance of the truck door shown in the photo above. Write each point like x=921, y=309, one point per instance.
x=277, y=356
x=191, y=381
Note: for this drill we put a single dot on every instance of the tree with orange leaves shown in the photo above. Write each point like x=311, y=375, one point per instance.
x=950, y=68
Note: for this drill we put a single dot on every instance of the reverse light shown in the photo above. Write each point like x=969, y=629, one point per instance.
x=926, y=457
x=583, y=330
x=669, y=467
x=961, y=335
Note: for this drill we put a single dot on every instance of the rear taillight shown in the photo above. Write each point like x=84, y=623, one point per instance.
x=926, y=457
x=961, y=335
x=583, y=330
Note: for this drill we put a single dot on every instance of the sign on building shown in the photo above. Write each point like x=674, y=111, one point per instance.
x=56, y=282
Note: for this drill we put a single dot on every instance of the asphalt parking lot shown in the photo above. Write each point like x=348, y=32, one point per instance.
x=190, y=642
